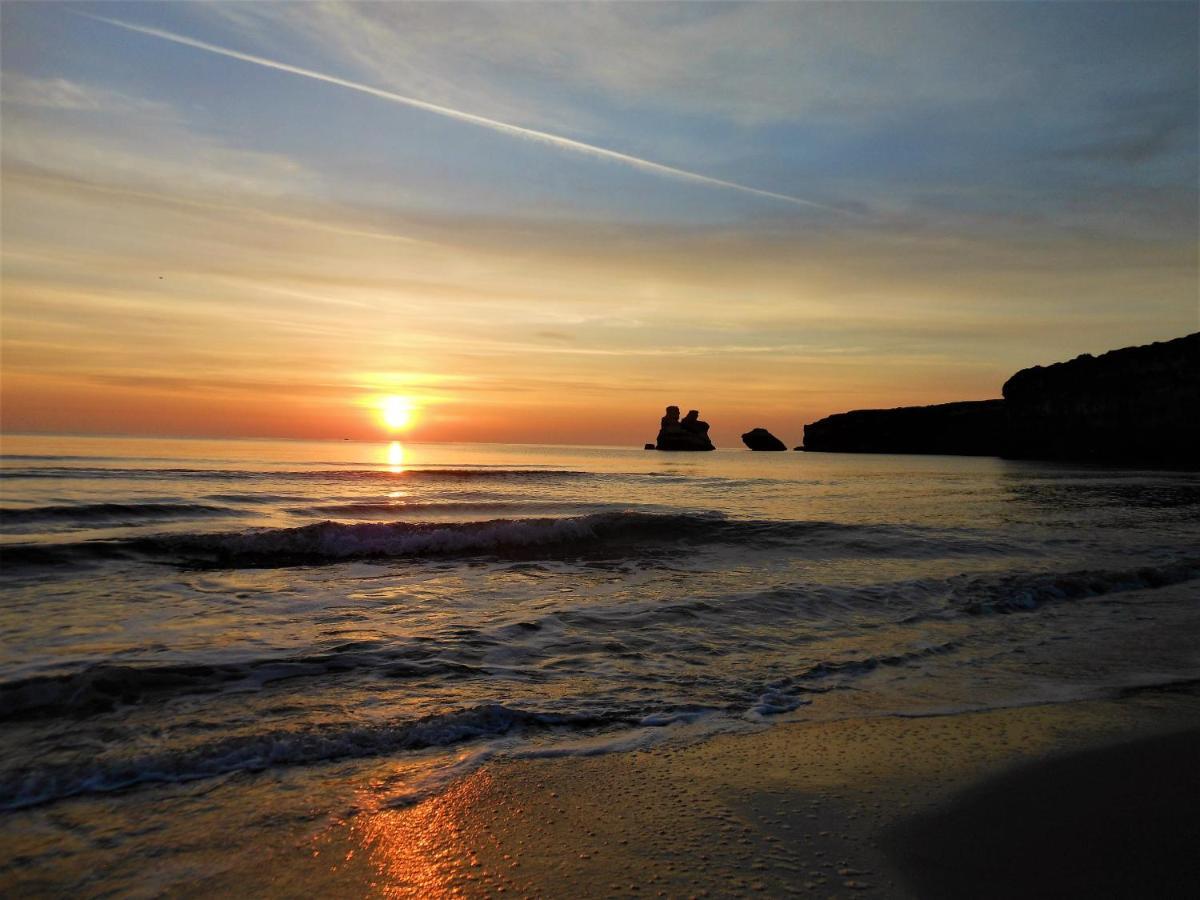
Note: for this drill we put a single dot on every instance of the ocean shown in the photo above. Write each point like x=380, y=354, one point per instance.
x=278, y=636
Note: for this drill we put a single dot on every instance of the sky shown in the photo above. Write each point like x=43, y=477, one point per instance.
x=546, y=222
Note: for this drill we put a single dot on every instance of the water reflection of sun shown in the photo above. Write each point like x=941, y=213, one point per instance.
x=395, y=457
x=423, y=850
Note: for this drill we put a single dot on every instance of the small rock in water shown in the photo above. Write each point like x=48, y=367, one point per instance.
x=761, y=439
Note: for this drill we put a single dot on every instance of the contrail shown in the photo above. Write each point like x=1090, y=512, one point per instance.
x=543, y=137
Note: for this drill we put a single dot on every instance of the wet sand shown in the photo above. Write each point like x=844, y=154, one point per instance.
x=1043, y=801
x=1084, y=799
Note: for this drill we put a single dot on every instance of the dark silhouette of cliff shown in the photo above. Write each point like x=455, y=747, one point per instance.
x=1138, y=405
x=969, y=428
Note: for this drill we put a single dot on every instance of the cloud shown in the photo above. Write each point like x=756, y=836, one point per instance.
x=752, y=64
x=162, y=155
x=74, y=96
x=1139, y=131
x=542, y=137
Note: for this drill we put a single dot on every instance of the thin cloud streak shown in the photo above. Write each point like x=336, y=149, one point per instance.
x=33, y=176
x=543, y=137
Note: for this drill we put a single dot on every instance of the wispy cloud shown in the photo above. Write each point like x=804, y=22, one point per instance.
x=73, y=96
x=553, y=140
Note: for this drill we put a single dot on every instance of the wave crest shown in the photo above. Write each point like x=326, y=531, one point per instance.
x=100, y=688
x=337, y=541
x=300, y=746
x=624, y=533
x=984, y=595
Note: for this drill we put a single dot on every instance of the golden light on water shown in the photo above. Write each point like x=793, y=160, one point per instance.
x=424, y=850
x=395, y=457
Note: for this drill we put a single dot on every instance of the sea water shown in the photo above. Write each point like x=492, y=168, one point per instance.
x=178, y=614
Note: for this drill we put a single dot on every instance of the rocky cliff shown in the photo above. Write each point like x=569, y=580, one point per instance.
x=1135, y=405
x=1138, y=404
x=969, y=428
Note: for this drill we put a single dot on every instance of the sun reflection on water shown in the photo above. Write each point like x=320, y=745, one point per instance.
x=395, y=457
x=422, y=851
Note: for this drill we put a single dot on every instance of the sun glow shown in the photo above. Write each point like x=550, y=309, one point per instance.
x=397, y=412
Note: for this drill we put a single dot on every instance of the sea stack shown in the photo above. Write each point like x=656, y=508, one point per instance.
x=688, y=433
x=761, y=439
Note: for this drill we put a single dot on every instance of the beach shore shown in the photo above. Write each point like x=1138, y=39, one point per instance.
x=1083, y=799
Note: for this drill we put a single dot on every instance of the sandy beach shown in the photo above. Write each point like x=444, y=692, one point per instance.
x=897, y=807
x=1085, y=799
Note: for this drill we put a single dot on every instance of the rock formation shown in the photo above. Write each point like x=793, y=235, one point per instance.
x=969, y=428
x=761, y=439
x=688, y=433
x=1135, y=405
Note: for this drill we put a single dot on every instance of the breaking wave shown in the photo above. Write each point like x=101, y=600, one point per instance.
x=312, y=744
x=605, y=534
x=306, y=745
x=100, y=688
x=336, y=541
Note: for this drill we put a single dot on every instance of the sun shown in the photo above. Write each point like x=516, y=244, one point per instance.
x=397, y=412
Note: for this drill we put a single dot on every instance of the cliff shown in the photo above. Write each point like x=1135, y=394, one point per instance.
x=1137, y=405
x=969, y=428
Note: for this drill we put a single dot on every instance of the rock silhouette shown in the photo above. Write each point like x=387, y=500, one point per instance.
x=688, y=433
x=1135, y=405
x=969, y=428
x=761, y=439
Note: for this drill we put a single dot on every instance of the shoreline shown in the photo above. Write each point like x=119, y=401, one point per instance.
x=843, y=808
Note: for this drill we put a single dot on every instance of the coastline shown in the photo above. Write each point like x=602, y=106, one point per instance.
x=853, y=807
x=838, y=808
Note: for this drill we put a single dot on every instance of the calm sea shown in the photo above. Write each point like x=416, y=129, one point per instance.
x=190, y=613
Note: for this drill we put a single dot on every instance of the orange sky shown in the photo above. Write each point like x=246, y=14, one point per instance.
x=263, y=234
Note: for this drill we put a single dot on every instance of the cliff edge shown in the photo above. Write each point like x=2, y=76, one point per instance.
x=1136, y=405
x=968, y=428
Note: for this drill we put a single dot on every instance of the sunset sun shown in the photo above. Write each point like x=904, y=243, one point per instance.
x=397, y=412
